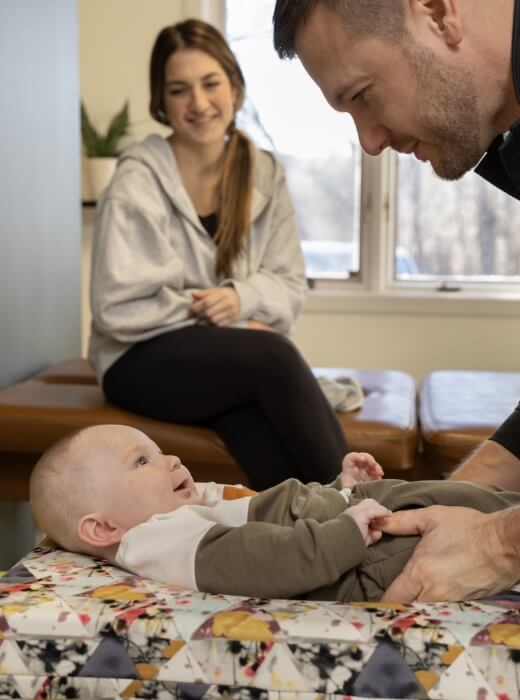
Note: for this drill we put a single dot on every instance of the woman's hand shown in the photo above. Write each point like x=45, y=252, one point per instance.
x=259, y=326
x=218, y=305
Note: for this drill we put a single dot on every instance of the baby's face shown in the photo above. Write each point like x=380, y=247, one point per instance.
x=135, y=479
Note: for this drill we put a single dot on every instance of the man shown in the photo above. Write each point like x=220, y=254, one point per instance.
x=440, y=79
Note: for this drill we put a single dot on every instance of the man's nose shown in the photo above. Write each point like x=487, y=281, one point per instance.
x=373, y=137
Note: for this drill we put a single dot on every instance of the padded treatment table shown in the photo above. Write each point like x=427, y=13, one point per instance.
x=75, y=627
x=38, y=411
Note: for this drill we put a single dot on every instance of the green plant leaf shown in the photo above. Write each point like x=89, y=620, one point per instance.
x=91, y=138
x=108, y=146
x=117, y=130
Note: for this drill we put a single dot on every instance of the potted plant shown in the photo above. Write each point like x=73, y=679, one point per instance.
x=102, y=150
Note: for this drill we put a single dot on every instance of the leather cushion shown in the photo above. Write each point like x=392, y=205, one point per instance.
x=37, y=412
x=459, y=409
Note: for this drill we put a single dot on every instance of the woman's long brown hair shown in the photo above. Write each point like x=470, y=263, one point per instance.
x=236, y=180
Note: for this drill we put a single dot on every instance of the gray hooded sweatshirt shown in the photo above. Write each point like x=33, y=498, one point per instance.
x=150, y=251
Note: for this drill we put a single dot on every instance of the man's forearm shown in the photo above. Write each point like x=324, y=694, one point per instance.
x=491, y=464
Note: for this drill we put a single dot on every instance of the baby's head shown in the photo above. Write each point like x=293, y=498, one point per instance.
x=92, y=486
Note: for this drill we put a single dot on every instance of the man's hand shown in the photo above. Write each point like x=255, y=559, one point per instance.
x=368, y=516
x=218, y=305
x=463, y=554
x=357, y=467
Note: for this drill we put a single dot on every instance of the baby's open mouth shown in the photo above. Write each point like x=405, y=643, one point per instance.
x=182, y=485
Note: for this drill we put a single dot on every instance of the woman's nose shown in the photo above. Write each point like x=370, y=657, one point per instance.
x=198, y=99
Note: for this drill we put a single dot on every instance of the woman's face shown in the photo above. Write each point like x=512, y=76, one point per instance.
x=199, y=99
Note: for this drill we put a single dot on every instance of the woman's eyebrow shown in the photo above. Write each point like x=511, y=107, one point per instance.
x=176, y=81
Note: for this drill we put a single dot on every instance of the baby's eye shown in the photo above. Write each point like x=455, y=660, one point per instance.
x=142, y=460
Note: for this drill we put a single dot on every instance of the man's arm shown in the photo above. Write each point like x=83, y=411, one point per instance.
x=491, y=463
x=463, y=553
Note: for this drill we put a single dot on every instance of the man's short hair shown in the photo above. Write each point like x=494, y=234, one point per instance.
x=382, y=18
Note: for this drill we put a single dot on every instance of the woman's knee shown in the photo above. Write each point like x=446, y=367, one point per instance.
x=280, y=358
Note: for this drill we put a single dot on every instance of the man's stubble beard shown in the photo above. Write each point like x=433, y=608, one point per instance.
x=447, y=113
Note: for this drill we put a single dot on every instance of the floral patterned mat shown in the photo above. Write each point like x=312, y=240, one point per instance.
x=75, y=627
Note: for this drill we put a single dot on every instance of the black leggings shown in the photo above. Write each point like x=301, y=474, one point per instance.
x=252, y=387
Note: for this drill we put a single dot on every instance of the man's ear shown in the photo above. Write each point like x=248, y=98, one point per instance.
x=445, y=18
x=96, y=530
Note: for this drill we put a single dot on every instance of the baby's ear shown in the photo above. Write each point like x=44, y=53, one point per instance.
x=97, y=530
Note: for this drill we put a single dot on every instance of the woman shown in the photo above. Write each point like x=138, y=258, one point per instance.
x=198, y=275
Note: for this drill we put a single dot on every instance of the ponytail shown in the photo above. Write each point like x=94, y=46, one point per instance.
x=235, y=195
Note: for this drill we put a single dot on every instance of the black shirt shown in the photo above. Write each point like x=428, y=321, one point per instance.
x=501, y=167
x=210, y=223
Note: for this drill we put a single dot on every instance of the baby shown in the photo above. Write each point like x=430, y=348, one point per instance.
x=109, y=491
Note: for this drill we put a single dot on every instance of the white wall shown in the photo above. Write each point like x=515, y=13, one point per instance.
x=40, y=206
x=115, y=38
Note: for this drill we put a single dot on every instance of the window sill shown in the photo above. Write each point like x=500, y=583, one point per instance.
x=399, y=302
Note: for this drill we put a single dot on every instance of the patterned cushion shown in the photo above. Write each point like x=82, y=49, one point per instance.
x=74, y=626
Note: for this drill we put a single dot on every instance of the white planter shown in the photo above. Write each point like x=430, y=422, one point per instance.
x=99, y=174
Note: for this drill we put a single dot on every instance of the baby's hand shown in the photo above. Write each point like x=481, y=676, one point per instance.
x=357, y=467
x=369, y=516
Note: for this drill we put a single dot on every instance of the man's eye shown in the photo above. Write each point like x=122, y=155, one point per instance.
x=359, y=95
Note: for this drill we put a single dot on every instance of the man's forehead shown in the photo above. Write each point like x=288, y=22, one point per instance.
x=329, y=54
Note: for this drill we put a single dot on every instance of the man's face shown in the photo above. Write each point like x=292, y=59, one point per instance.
x=402, y=96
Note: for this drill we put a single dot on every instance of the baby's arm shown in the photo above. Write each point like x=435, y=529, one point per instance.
x=273, y=561
x=359, y=466
x=369, y=516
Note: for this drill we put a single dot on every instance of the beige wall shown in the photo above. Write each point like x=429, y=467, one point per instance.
x=414, y=343
x=115, y=40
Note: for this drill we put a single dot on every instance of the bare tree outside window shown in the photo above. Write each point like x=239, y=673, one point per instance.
x=465, y=229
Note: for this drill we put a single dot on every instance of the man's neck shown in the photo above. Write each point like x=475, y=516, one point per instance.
x=506, y=34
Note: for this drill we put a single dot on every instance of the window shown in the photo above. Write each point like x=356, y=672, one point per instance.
x=317, y=146
x=381, y=225
x=457, y=230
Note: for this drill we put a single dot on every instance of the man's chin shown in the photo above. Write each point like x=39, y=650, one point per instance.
x=453, y=169
x=450, y=171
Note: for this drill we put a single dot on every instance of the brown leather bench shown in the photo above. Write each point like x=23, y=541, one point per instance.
x=37, y=412
x=460, y=409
